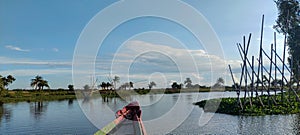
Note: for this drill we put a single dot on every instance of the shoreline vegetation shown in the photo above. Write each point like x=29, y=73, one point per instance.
x=230, y=105
x=11, y=96
x=105, y=90
x=19, y=95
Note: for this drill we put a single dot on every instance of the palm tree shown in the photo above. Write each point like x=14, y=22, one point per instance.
x=34, y=82
x=39, y=83
x=108, y=85
x=130, y=85
x=103, y=85
x=151, y=84
x=116, y=80
x=42, y=84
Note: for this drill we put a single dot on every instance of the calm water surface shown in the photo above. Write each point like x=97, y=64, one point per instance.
x=85, y=117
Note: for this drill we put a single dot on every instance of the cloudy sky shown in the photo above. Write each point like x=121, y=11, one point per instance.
x=41, y=38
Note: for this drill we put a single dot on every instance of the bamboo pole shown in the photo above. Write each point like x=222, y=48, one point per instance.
x=245, y=66
x=236, y=89
x=286, y=67
x=266, y=88
x=252, y=67
x=260, y=52
x=275, y=63
x=270, y=75
x=286, y=81
x=252, y=78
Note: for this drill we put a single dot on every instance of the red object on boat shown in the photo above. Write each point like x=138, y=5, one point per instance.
x=131, y=112
x=128, y=121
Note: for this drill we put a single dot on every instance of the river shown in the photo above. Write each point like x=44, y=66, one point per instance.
x=162, y=114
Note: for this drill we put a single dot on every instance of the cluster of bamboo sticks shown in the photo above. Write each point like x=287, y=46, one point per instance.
x=261, y=80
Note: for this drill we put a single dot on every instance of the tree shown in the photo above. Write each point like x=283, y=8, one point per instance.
x=220, y=82
x=124, y=86
x=39, y=83
x=175, y=85
x=2, y=89
x=294, y=51
x=288, y=23
x=71, y=87
x=5, y=81
x=108, y=85
x=34, y=82
x=151, y=84
x=8, y=80
x=1, y=85
x=130, y=85
x=116, y=80
x=288, y=15
x=86, y=87
x=42, y=84
x=188, y=83
x=103, y=85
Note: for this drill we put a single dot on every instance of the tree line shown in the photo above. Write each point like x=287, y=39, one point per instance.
x=288, y=23
x=112, y=85
x=39, y=83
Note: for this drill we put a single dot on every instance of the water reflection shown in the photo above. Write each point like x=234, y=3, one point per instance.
x=174, y=98
x=37, y=109
x=70, y=102
x=151, y=98
x=104, y=98
x=5, y=113
x=60, y=120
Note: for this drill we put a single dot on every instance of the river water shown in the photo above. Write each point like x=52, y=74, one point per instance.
x=162, y=114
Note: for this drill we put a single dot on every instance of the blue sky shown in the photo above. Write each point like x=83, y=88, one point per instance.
x=39, y=38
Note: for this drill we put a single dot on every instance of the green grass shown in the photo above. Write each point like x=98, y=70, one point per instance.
x=230, y=106
x=33, y=96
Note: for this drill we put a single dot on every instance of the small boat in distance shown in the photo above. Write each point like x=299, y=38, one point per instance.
x=128, y=122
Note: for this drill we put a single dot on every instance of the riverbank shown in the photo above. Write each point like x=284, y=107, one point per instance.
x=116, y=93
x=36, y=96
x=230, y=106
x=61, y=94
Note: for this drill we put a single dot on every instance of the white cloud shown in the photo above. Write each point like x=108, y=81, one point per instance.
x=16, y=61
x=138, y=60
x=32, y=72
x=141, y=59
x=15, y=48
